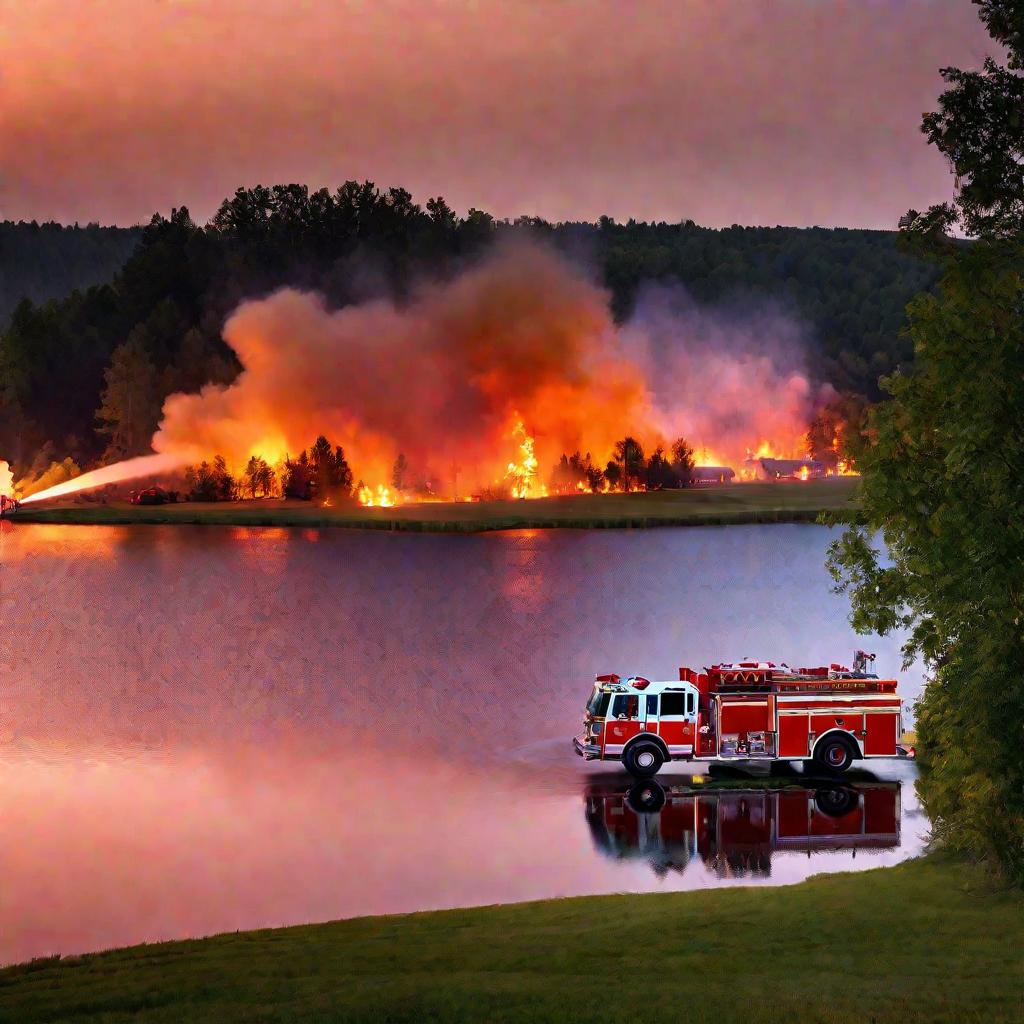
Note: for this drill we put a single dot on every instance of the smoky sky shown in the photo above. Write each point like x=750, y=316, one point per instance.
x=785, y=112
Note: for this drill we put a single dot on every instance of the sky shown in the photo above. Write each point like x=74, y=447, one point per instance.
x=793, y=112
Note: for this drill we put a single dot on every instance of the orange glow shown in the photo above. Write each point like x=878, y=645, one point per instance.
x=522, y=475
x=382, y=497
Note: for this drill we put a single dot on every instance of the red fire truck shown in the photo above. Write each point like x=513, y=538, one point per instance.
x=830, y=716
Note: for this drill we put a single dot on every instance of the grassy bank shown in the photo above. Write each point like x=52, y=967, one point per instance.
x=789, y=502
x=925, y=941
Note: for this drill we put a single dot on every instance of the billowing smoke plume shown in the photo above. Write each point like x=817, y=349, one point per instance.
x=732, y=381
x=443, y=378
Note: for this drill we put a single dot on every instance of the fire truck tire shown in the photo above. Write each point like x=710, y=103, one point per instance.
x=836, y=801
x=647, y=797
x=643, y=759
x=833, y=755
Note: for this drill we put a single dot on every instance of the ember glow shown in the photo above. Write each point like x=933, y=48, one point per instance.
x=382, y=497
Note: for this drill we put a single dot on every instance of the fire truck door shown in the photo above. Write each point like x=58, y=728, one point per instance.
x=624, y=721
x=678, y=721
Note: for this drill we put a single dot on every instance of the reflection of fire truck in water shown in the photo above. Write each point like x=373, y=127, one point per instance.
x=748, y=711
x=735, y=832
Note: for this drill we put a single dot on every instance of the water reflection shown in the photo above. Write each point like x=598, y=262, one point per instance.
x=736, y=832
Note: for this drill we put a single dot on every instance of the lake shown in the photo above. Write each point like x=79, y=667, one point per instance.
x=205, y=729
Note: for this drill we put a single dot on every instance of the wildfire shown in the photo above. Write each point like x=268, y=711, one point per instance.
x=382, y=497
x=803, y=473
x=522, y=475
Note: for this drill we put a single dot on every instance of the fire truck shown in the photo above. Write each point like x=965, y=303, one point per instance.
x=8, y=504
x=829, y=716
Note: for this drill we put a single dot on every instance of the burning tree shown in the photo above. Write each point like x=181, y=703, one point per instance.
x=259, y=476
x=576, y=473
x=210, y=481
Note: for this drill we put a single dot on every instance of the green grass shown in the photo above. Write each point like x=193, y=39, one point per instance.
x=928, y=940
x=789, y=502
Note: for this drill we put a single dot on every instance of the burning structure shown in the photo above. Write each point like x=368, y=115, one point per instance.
x=474, y=384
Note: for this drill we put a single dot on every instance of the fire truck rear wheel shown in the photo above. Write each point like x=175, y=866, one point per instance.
x=646, y=797
x=643, y=760
x=834, y=755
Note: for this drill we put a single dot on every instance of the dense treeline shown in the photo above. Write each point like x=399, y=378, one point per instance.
x=87, y=374
x=41, y=262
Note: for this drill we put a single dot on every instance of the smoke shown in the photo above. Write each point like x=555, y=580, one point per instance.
x=442, y=379
x=522, y=335
x=732, y=380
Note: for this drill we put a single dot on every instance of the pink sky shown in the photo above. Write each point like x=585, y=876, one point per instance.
x=749, y=111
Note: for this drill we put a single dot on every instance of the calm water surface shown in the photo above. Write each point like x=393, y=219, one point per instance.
x=207, y=729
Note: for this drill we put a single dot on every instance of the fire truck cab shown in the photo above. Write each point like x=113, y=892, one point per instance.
x=744, y=711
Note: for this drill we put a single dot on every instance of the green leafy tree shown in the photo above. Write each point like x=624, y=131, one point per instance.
x=130, y=407
x=979, y=128
x=943, y=481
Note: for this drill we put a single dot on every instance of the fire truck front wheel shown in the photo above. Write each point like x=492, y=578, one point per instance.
x=643, y=759
x=833, y=754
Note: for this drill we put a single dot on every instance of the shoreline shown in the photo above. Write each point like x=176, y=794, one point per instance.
x=733, y=505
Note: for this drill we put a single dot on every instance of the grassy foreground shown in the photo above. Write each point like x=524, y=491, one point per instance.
x=786, y=502
x=925, y=941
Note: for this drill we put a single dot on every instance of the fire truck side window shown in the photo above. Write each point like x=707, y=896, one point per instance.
x=625, y=706
x=673, y=704
x=689, y=704
x=652, y=705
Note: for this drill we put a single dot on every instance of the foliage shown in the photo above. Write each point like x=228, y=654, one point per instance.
x=575, y=472
x=331, y=475
x=259, y=477
x=40, y=262
x=629, y=457
x=682, y=460
x=943, y=485
x=297, y=480
x=943, y=474
x=128, y=411
x=979, y=129
x=210, y=481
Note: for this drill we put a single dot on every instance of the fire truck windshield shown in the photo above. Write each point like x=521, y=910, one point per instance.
x=598, y=706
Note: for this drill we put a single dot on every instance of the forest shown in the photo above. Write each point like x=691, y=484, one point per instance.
x=104, y=323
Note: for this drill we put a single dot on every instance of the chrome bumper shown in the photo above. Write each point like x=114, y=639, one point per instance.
x=588, y=751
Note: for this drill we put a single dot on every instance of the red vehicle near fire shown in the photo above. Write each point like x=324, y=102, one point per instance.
x=829, y=716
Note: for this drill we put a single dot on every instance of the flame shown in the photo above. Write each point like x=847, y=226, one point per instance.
x=803, y=473
x=522, y=475
x=6, y=481
x=382, y=497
